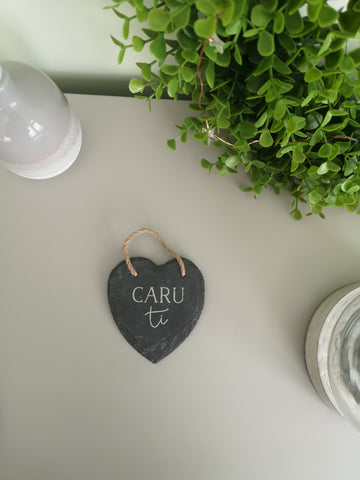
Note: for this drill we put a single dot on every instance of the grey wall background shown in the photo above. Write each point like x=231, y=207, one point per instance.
x=70, y=41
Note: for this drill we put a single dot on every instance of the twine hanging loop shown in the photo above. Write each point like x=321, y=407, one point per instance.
x=157, y=236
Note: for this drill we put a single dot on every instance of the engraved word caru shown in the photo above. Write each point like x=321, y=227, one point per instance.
x=157, y=295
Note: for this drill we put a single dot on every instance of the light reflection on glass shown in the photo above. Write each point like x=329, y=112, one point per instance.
x=34, y=129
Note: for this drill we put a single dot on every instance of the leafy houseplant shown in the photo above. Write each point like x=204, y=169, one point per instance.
x=274, y=84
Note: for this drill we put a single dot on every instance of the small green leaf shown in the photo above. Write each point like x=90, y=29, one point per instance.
x=336, y=126
x=257, y=189
x=183, y=137
x=294, y=165
x=266, y=140
x=170, y=69
x=312, y=171
x=207, y=7
x=280, y=109
x=205, y=164
x=265, y=44
x=279, y=22
x=333, y=167
x=326, y=44
x=158, y=19
x=221, y=100
x=277, y=188
x=297, y=215
x=201, y=137
x=227, y=13
x=326, y=119
x=348, y=64
x=258, y=163
x=232, y=161
x=317, y=137
x=252, y=32
x=126, y=28
x=158, y=48
x=355, y=55
x=337, y=43
x=265, y=87
x=259, y=123
x=138, y=43
x=315, y=197
x=269, y=5
x=172, y=87
x=117, y=13
x=210, y=74
x=327, y=16
x=146, y=72
x=211, y=52
x=188, y=74
x=121, y=55
x=171, y=144
x=136, y=85
x=117, y=42
x=349, y=22
x=158, y=92
x=313, y=11
x=237, y=55
x=142, y=15
x=287, y=43
x=312, y=75
x=265, y=64
x=292, y=125
x=223, y=122
x=282, y=87
x=247, y=130
x=185, y=41
x=233, y=28
x=334, y=59
x=281, y=67
x=294, y=23
x=325, y=150
x=271, y=94
x=293, y=6
x=313, y=120
x=259, y=16
x=182, y=18
x=298, y=154
x=242, y=146
x=223, y=59
x=356, y=6
x=314, y=2
x=149, y=33
x=224, y=173
x=205, y=27
x=323, y=169
x=190, y=55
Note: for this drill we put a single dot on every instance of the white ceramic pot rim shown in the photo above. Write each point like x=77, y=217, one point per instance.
x=318, y=337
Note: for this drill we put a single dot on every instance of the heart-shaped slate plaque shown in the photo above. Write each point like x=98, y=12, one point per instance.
x=157, y=309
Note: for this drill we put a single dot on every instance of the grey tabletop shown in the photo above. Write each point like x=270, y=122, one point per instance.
x=233, y=401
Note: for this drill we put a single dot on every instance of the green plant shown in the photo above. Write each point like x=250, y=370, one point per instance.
x=275, y=87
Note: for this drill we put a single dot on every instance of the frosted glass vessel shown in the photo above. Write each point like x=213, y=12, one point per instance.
x=40, y=136
x=332, y=352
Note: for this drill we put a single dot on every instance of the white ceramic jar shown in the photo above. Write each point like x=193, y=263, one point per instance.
x=332, y=352
x=40, y=137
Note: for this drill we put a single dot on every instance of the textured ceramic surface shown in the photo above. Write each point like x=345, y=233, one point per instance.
x=40, y=137
x=332, y=351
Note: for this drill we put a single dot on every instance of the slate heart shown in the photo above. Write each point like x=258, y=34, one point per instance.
x=158, y=309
